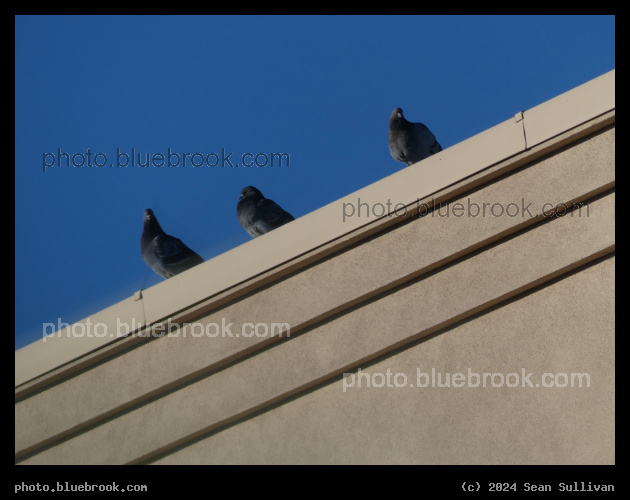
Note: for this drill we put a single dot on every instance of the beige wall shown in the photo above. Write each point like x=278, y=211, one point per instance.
x=384, y=295
x=541, y=332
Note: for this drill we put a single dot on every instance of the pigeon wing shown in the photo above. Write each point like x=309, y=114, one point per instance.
x=423, y=143
x=173, y=255
x=273, y=214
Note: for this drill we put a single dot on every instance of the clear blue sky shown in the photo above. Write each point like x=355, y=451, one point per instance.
x=320, y=89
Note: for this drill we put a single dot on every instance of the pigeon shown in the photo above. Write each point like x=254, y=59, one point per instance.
x=259, y=215
x=410, y=142
x=165, y=254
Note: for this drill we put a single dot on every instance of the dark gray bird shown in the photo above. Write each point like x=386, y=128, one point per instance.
x=410, y=142
x=259, y=215
x=165, y=254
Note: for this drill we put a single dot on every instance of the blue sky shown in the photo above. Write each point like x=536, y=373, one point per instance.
x=320, y=89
